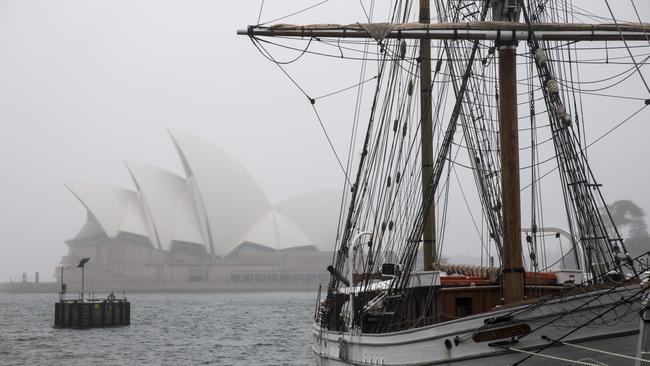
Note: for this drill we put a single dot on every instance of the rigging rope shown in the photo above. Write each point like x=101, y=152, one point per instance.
x=329, y=141
x=550, y=357
x=312, y=101
x=600, y=315
x=628, y=48
x=346, y=88
x=602, y=351
x=259, y=16
x=294, y=13
x=595, y=141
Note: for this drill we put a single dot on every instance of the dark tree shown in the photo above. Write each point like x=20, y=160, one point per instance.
x=627, y=215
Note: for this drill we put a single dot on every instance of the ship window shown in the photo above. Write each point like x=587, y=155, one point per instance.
x=463, y=306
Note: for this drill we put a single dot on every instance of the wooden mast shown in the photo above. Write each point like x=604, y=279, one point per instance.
x=426, y=136
x=512, y=262
x=513, y=269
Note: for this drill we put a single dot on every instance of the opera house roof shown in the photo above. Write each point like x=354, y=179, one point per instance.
x=218, y=205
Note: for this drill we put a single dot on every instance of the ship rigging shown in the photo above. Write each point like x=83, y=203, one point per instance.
x=381, y=306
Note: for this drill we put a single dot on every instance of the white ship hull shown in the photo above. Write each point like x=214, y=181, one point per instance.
x=616, y=332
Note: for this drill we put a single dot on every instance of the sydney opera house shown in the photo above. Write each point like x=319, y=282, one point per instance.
x=211, y=229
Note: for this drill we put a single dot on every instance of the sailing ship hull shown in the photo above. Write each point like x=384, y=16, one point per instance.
x=616, y=331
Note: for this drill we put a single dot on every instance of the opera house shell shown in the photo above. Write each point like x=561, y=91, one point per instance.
x=212, y=229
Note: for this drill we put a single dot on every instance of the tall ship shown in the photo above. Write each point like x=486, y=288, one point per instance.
x=455, y=85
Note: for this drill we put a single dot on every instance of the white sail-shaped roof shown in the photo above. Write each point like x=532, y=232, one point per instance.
x=116, y=210
x=228, y=195
x=188, y=227
x=169, y=207
x=134, y=220
x=90, y=228
x=218, y=206
x=316, y=213
x=276, y=231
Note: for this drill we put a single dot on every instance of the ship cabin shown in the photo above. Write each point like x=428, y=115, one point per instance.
x=447, y=293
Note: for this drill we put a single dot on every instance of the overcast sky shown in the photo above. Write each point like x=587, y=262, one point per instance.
x=87, y=85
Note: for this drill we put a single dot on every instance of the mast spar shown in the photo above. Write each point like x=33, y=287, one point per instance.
x=512, y=262
x=426, y=135
x=473, y=31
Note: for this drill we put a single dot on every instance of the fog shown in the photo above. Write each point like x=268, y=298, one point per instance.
x=87, y=85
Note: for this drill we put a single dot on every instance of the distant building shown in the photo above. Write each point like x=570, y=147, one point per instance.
x=213, y=229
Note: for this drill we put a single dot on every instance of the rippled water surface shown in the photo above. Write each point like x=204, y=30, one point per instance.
x=169, y=329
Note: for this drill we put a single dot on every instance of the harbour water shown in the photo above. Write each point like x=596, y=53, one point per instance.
x=267, y=328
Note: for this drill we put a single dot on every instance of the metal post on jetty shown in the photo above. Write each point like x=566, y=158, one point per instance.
x=82, y=265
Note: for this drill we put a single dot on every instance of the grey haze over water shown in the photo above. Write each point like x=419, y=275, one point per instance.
x=166, y=329
x=87, y=85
